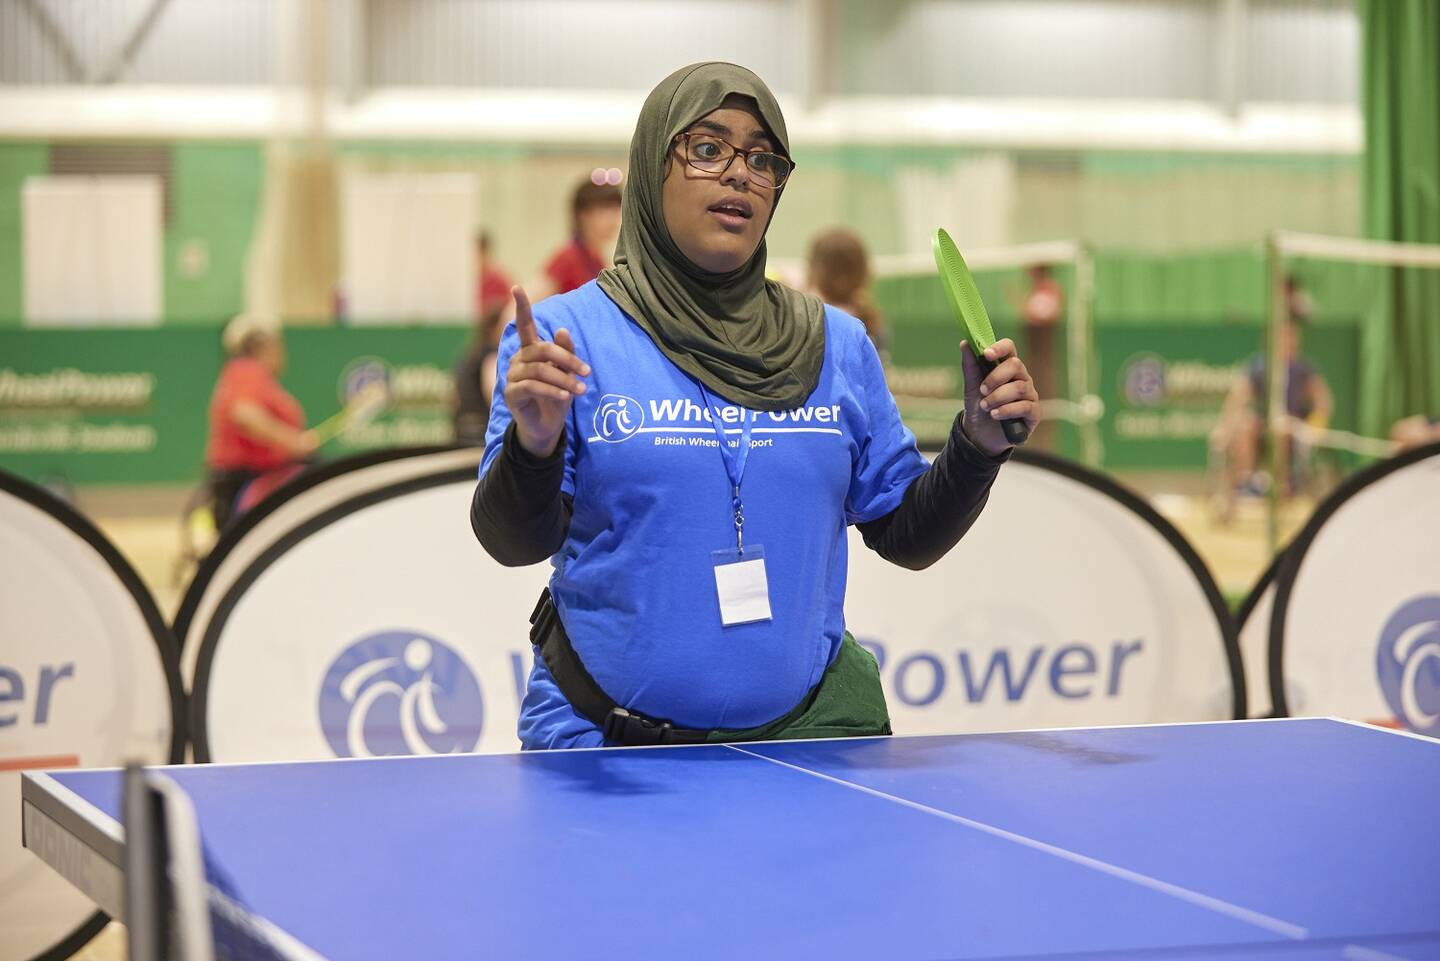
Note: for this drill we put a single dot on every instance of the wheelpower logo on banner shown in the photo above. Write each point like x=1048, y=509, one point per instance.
x=1167, y=398
x=996, y=675
x=959, y=651
x=418, y=410
x=619, y=418
x=987, y=666
x=45, y=412
x=400, y=692
x=1407, y=662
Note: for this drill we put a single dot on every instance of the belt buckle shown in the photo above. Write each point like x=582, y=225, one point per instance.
x=634, y=730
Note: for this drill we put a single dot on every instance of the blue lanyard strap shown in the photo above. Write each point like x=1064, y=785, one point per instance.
x=734, y=460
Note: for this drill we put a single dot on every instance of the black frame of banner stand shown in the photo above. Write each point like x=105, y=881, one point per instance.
x=1257, y=591
x=1252, y=600
x=200, y=684
x=1294, y=556
x=1229, y=625
x=168, y=649
x=307, y=479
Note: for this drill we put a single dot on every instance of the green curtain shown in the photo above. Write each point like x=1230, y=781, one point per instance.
x=1400, y=345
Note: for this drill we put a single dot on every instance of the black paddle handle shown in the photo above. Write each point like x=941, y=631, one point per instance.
x=1016, y=430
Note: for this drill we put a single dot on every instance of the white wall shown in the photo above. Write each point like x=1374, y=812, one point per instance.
x=579, y=44
x=192, y=42
x=1302, y=50
x=1030, y=48
x=1293, y=51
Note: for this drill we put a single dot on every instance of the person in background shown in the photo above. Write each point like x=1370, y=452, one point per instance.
x=256, y=426
x=1041, y=309
x=1242, y=419
x=594, y=225
x=839, y=274
x=1416, y=431
x=492, y=281
x=475, y=371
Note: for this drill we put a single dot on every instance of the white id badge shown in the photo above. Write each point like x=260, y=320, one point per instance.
x=741, y=586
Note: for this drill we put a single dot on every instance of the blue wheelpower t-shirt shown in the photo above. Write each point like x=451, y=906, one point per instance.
x=634, y=581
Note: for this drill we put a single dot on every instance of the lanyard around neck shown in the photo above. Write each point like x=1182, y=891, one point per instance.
x=734, y=460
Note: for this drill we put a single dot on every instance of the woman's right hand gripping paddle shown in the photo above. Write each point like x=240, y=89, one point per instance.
x=544, y=377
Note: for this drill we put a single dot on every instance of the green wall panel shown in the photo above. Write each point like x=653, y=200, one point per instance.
x=17, y=161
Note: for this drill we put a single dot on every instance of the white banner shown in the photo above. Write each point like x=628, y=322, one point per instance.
x=407, y=246
x=1063, y=606
x=83, y=683
x=315, y=492
x=93, y=250
x=386, y=631
x=1358, y=606
x=384, y=628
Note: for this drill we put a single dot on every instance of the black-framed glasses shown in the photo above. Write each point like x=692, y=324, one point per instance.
x=707, y=152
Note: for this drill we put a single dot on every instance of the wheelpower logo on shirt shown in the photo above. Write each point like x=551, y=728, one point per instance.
x=400, y=692
x=619, y=418
x=1407, y=661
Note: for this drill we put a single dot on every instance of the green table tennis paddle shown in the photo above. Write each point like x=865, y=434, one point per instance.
x=965, y=299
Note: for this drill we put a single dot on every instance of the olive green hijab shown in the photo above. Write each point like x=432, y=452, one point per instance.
x=751, y=340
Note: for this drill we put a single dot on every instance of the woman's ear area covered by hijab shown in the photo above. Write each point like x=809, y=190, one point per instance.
x=717, y=218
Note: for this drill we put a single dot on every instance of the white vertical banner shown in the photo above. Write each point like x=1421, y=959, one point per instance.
x=92, y=250
x=88, y=678
x=407, y=246
x=423, y=649
x=1069, y=603
x=973, y=199
x=1355, y=626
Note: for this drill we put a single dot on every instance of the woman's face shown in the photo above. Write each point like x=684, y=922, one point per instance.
x=718, y=219
x=271, y=353
x=599, y=226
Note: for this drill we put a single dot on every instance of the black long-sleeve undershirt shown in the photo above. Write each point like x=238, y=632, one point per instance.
x=520, y=515
x=938, y=507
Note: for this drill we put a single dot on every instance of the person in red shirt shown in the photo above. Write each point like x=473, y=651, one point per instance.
x=594, y=225
x=475, y=371
x=1041, y=312
x=492, y=288
x=256, y=426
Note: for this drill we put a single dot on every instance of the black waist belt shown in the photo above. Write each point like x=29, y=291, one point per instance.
x=617, y=724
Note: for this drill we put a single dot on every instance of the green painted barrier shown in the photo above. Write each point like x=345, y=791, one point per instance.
x=106, y=406
x=1164, y=386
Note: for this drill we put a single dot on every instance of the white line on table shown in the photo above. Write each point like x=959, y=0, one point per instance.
x=1354, y=952
x=1273, y=925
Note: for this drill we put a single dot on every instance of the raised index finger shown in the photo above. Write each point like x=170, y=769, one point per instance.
x=524, y=320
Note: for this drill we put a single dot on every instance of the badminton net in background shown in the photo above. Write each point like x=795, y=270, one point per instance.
x=1347, y=285
x=925, y=373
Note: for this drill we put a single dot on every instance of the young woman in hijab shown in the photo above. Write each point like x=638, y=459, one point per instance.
x=687, y=442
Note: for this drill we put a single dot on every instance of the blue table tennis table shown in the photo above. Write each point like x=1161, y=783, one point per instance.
x=1286, y=839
